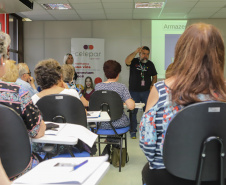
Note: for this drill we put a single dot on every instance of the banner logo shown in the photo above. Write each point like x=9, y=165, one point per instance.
x=89, y=47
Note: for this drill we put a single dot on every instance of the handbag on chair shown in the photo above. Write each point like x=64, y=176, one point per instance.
x=115, y=157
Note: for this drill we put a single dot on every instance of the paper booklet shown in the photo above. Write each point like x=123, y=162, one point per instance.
x=62, y=171
x=73, y=130
x=54, y=131
x=93, y=114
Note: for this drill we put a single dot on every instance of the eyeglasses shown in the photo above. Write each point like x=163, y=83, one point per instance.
x=28, y=73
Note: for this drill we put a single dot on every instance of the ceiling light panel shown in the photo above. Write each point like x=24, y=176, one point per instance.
x=149, y=5
x=56, y=6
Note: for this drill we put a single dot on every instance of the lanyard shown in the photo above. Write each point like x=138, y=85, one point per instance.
x=142, y=70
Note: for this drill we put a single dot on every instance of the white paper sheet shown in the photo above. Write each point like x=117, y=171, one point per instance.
x=93, y=114
x=80, y=132
x=73, y=130
x=47, y=173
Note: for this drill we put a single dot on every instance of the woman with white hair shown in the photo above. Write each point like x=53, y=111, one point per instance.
x=68, y=59
x=17, y=98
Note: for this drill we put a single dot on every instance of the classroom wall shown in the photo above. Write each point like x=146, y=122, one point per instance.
x=45, y=39
x=52, y=39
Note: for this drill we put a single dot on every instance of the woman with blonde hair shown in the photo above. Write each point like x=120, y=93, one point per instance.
x=68, y=59
x=196, y=75
x=11, y=71
x=68, y=72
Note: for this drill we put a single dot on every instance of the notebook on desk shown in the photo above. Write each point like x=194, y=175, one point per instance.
x=48, y=172
x=93, y=114
x=73, y=130
x=56, y=130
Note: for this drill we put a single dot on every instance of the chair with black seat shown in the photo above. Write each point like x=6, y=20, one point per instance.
x=194, y=143
x=15, y=149
x=111, y=102
x=62, y=108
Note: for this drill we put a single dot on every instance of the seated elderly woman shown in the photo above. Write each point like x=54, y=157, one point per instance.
x=196, y=75
x=112, y=69
x=68, y=74
x=48, y=74
x=17, y=98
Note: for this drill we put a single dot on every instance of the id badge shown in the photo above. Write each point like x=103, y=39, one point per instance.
x=142, y=82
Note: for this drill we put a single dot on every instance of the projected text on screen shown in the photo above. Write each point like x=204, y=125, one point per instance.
x=165, y=34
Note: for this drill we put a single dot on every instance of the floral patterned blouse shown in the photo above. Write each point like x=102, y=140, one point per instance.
x=123, y=92
x=153, y=126
x=155, y=122
x=17, y=98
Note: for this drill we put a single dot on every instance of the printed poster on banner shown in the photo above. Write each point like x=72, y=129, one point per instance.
x=88, y=56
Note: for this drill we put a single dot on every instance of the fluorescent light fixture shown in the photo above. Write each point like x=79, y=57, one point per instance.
x=56, y=6
x=149, y=5
x=10, y=19
x=26, y=19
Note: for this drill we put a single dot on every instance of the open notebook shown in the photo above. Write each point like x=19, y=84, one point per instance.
x=93, y=114
x=49, y=172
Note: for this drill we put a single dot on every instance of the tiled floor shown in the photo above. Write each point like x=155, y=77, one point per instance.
x=131, y=173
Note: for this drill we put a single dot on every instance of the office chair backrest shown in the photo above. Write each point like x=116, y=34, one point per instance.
x=185, y=136
x=63, y=109
x=15, y=150
x=101, y=100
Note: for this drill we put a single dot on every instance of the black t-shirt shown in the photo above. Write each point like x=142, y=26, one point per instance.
x=136, y=77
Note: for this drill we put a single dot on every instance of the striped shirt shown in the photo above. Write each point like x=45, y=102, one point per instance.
x=153, y=126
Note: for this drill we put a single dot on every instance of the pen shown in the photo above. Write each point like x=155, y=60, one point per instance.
x=81, y=164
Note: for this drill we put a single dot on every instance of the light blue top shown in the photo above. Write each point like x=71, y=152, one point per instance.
x=27, y=86
x=72, y=86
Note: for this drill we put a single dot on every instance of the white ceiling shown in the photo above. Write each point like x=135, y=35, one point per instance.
x=12, y=6
x=124, y=10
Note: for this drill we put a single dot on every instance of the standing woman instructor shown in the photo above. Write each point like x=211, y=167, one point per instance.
x=68, y=59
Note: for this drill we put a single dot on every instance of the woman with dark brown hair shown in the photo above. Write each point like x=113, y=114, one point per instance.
x=196, y=75
x=88, y=88
x=111, y=70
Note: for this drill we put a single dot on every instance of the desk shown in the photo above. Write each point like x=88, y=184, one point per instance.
x=59, y=138
x=46, y=172
x=103, y=117
x=69, y=135
x=96, y=177
x=137, y=106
